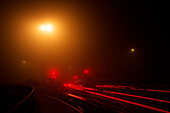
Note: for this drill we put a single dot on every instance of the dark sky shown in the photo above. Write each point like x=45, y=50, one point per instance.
x=98, y=35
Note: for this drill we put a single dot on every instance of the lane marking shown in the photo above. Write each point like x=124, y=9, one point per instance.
x=63, y=102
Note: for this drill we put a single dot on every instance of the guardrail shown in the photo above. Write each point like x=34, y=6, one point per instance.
x=24, y=105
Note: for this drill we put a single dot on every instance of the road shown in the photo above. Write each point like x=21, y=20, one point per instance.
x=88, y=99
x=52, y=101
x=71, y=98
x=50, y=104
x=131, y=101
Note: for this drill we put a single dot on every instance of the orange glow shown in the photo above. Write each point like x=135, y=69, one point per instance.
x=24, y=62
x=42, y=28
x=47, y=27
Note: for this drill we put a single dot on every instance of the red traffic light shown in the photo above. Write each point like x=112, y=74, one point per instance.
x=74, y=77
x=53, y=74
x=86, y=71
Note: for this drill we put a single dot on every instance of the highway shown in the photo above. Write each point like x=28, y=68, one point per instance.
x=71, y=98
x=136, y=103
x=50, y=104
x=90, y=99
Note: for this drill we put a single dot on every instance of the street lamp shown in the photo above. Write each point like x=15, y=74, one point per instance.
x=24, y=62
x=132, y=50
x=133, y=60
x=45, y=28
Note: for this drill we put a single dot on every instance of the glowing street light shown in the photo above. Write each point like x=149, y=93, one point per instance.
x=46, y=28
x=132, y=50
x=24, y=62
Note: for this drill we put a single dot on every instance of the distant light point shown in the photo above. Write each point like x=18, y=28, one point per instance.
x=69, y=67
x=86, y=71
x=24, y=62
x=133, y=50
x=74, y=77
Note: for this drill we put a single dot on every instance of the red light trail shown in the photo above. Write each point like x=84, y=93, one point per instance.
x=137, y=96
x=158, y=90
x=132, y=88
x=122, y=100
x=130, y=102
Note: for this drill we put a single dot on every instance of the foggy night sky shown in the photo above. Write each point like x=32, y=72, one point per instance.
x=96, y=35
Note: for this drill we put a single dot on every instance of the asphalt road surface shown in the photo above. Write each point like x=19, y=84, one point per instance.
x=73, y=98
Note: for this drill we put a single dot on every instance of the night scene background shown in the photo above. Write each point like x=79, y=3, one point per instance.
x=84, y=56
x=94, y=35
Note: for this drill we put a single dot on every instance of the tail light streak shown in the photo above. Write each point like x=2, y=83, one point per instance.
x=118, y=99
x=137, y=96
x=75, y=96
x=130, y=102
x=158, y=90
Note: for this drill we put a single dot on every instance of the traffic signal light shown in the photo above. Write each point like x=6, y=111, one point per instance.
x=74, y=77
x=86, y=71
x=53, y=74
